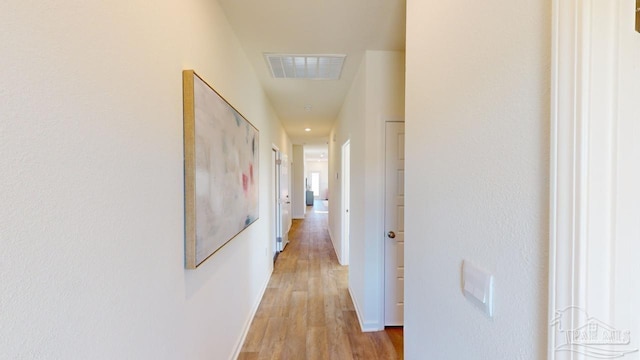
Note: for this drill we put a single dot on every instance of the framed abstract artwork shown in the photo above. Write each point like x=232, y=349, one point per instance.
x=221, y=166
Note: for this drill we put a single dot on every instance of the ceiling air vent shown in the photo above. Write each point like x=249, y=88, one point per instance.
x=314, y=67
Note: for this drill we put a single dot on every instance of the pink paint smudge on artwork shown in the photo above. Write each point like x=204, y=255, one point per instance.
x=251, y=172
x=245, y=183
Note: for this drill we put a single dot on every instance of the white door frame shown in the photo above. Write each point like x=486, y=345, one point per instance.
x=285, y=199
x=584, y=143
x=346, y=200
x=277, y=206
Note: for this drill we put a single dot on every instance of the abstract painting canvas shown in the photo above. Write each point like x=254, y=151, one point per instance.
x=221, y=170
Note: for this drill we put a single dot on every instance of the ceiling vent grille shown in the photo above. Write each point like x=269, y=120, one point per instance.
x=314, y=67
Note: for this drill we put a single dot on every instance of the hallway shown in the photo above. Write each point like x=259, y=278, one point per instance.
x=306, y=311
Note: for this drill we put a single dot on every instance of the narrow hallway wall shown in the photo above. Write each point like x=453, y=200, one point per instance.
x=477, y=175
x=376, y=96
x=92, y=235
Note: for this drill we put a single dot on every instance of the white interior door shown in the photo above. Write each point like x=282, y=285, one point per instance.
x=275, y=200
x=394, y=224
x=285, y=201
x=346, y=196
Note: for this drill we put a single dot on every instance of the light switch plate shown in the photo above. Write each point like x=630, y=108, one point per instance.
x=477, y=286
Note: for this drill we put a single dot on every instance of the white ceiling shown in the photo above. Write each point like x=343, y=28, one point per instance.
x=313, y=27
x=316, y=152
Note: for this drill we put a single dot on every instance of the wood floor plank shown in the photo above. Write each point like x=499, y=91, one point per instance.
x=337, y=332
x=396, y=335
x=295, y=346
x=383, y=346
x=253, y=342
x=273, y=339
x=316, y=314
x=317, y=346
x=248, y=356
x=306, y=311
x=302, y=275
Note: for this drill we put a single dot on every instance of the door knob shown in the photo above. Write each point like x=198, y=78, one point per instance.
x=391, y=235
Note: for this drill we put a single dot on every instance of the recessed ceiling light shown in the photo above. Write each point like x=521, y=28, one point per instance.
x=314, y=67
x=307, y=129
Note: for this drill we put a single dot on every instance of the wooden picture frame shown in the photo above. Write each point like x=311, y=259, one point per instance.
x=221, y=167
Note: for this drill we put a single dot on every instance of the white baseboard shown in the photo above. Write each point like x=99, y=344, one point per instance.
x=249, y=320
x=298, y=216
x=333, y=245
x=365, y=326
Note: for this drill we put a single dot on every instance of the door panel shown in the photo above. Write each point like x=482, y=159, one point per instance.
x=285, y=200
x=275, y=179
x=346, y=191
x=394, y=223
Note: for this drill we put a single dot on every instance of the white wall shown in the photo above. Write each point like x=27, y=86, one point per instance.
x=321, y=167
x=477, y=140
x=376, y=96
x=298, y=206
x=92, y=234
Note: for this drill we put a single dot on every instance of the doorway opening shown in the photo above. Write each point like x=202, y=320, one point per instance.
x=317, y=175
x=280, y=200
x=315, y=184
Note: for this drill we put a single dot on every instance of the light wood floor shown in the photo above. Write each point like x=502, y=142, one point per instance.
x=306, y=311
